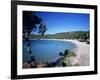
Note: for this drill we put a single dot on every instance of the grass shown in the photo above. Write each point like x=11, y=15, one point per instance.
x=68, y=54
x=71, y=54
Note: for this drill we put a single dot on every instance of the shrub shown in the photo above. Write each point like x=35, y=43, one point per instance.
x=71, y=54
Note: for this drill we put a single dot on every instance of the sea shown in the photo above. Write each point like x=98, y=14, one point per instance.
x=46, y=50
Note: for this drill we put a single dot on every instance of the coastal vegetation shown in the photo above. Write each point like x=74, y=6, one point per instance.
x=32, y=22
x=61, y=62
x=64, y=35
x=34, y=28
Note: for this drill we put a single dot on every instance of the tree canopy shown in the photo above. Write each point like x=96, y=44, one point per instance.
x=33, y=22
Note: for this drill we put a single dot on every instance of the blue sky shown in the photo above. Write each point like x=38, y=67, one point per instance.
x=64, y=22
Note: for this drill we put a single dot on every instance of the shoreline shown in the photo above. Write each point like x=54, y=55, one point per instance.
x=81, y=59
x=81, y=50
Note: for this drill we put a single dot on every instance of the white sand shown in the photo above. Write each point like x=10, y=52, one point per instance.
x=82, y=52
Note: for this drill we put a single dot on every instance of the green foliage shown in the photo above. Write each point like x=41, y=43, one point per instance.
x=71, y=54
x=67, y=54
x=66, y=63
x=33, y=23
x=65, y=35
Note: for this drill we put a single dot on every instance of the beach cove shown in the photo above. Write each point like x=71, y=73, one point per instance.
x=81, y=50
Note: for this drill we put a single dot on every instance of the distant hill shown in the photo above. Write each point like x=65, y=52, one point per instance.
x=64, y=35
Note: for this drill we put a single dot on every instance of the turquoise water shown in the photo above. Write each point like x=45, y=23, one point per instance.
x=46, y=50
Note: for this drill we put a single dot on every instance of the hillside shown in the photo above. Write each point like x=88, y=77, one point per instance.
x=63, y=35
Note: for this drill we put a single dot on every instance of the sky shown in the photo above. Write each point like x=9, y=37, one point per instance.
x=64, y=22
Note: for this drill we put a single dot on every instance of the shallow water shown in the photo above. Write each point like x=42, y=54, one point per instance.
x=46, y=50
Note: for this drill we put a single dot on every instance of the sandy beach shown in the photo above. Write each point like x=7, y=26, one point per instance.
x=82, y=53
x=81, y=50
x=81, y=58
